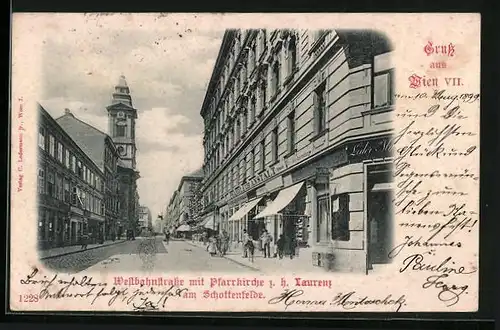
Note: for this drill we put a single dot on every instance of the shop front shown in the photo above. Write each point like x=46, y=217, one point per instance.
x=52, y=224
x=354, y=207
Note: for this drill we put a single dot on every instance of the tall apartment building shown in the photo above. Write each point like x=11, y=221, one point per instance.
x=70, y=188
x=297, y=141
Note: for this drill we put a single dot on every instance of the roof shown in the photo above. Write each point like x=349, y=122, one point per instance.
x=197, y=173
x=90, y=139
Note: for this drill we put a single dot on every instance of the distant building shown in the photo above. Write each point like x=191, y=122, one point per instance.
x=71, y=188
x=145, y=218
x=179, y=210
x=297, y=141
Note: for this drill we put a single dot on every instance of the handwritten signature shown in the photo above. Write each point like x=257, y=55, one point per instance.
x=347, y=301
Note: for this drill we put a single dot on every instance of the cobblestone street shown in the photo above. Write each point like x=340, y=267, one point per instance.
x=79, y=261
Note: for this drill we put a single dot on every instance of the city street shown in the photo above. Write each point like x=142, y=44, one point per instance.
x=144, y=255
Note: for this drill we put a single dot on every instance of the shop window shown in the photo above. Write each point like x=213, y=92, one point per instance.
x=291, y=133
x=319, y=100
x=41, y=138
x=322, y=219
x=275, y=144
x=41, y=181
x=340, y=217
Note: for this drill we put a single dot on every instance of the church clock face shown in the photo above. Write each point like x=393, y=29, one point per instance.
x=122, y=151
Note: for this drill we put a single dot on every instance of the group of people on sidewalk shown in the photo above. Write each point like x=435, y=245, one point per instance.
x=284, y=246
x=218, y=244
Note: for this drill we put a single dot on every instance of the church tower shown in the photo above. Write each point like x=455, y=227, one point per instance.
x=121, y=123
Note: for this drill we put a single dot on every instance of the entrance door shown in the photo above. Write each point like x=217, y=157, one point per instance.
x=380, y=227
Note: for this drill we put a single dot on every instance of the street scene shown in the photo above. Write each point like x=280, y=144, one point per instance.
x=217, y=151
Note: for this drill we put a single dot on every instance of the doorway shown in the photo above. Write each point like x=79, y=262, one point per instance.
x=380, y=219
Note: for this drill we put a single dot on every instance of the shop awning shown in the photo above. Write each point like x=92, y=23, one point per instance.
x=247, y=207
x=208, y=222
x=284, y=198
x=386, y=186
x=184, y=228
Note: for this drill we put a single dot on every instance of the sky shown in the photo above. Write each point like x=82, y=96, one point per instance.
x=167, y=66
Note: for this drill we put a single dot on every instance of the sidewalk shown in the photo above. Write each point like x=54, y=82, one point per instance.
x=299, y=264
x=60, y=251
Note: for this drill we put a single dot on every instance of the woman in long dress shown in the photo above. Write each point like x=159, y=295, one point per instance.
x=212, y=246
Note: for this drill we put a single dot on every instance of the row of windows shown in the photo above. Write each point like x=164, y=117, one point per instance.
x=269, y=82
x=63, y=155
x=382, y=95
x=67, y=190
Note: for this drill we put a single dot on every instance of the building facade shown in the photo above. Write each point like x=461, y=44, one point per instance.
x=172, y=213
x=297, y=141
x=122, y=118
x=145, y=218
x=70, y=188
x=100, y=148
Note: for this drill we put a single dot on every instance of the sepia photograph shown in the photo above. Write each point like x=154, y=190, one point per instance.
x=279, y=137
x=245, y=162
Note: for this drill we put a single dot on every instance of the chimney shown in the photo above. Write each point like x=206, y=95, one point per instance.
x=67, y=112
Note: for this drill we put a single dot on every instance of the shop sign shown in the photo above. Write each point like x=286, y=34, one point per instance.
x=370, y=149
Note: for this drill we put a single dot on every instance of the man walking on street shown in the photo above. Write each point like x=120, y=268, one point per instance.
x=246, y=238
x=266, y=242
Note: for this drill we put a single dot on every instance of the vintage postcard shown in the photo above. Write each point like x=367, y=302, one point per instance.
x=245, y=162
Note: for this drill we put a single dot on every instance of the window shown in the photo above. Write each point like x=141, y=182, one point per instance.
x=244, y=169
x=340, y=217
x=103, y=208
x=252, y=163
x=292, y=56
x=276, y=77
x=79, y=169
x=41, y=138
x=382, y=89
x=121, y=130
x=244, y=117
x=52, y=146
x=51, y=185
x=84, y=173
x=275, y=144
x=291, y=133
x=263, y=95
x=73, y=163
x=262, y=155
x=319, y=100
x=59, y=187
x=67, y=159
x=253, y=104
x=60, y=153
x=67, y=194
x=41, y=181
x=322, y=224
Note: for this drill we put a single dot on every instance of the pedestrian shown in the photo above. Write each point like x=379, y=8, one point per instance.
x=292, y=245
x=250, y=247
x=246, y=238
x=266, y=242
x=85, y=241
x=280, y=244
x=167, y=236
x=225, y=242
x=211, y=247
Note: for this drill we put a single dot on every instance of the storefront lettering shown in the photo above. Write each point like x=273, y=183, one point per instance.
x=371, y=149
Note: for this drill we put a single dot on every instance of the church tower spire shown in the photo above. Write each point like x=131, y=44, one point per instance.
x=122, y=92
x=121, y=122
